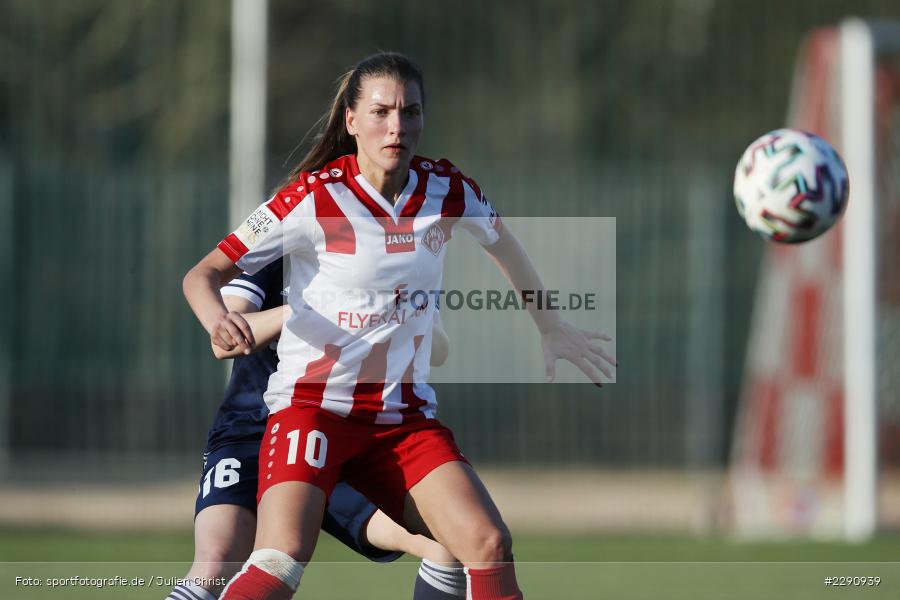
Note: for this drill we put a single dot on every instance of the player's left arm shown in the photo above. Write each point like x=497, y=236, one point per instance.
x=559, y=338
x=265, y=325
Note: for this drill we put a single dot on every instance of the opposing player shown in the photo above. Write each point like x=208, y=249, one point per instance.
x=362, y=213
x=225, y=513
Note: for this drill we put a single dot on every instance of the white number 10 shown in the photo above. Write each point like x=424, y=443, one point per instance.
x=315, y=453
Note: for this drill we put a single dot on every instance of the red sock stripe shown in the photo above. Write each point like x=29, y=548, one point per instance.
x=256, y=584
x=496, y=583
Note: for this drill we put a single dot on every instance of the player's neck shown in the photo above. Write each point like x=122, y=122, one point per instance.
x=388, y=183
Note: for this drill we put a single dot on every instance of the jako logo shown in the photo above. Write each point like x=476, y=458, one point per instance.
x=391, y=239
x=433, y=239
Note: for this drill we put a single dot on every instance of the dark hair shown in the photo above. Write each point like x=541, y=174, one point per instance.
x=333, y=141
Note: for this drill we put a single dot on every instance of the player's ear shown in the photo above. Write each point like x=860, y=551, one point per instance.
x=350, y=121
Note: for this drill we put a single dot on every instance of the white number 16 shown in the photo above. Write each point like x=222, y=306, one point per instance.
x=226, y=474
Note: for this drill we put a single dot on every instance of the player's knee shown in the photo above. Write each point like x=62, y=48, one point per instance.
x=215, y=564
x=493, y=544
x=301, y=555
x=299, y=552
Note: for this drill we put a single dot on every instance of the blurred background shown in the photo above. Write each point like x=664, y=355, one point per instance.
x=114, y=181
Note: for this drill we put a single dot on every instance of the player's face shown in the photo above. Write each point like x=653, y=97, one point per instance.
x=387, y=122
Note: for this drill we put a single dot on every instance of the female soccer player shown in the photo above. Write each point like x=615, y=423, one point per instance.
x=362, y=219
x=225, y=514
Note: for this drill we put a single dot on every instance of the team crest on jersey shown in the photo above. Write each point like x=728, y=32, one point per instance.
x=336, y=172
x=425, y=164
x=433, y=239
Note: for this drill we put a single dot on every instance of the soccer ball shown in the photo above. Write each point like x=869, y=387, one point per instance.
x=790, y=186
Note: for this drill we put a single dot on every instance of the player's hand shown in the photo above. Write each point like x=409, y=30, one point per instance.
x=232, y=331
x=579, y=347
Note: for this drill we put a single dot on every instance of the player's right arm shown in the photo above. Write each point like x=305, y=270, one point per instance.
x=227, y=329
x=265, y=236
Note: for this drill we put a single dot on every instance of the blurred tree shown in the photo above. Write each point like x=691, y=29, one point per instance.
x=119, y=81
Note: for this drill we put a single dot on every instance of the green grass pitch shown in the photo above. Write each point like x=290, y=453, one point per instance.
x=549, y=568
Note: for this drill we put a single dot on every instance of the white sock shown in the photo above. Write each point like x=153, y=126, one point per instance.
x=278, y=564
x=274, y=562
x=450, y=580
x=189, y=591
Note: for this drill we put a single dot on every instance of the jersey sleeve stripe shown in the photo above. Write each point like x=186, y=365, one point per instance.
x=236, y=289
x=280, y=205
x=246, y=283
x=453, y=207
x=481, y=211
x=233, y=247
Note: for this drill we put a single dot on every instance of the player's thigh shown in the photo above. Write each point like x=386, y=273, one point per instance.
x=289, y=518
x=223, y=539
x=301, y=457
x=225, y=520
x=453, y=506
x=397, y=459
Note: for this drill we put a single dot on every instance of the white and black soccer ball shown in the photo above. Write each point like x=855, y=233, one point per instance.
x=790, y=186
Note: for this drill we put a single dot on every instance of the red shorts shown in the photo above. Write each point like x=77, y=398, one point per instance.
x=381, y=461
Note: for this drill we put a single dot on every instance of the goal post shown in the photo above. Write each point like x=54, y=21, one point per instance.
x=857, y=138
x=247, y=126
x=820, y=393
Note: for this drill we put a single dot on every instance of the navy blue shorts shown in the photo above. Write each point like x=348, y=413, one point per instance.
x=230, y=477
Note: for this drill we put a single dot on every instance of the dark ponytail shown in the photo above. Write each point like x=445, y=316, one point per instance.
x=333, y=141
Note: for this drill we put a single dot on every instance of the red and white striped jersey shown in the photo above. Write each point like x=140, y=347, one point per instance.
x=364, y=277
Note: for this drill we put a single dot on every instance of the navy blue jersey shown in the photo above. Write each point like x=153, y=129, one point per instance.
x=242, y=415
